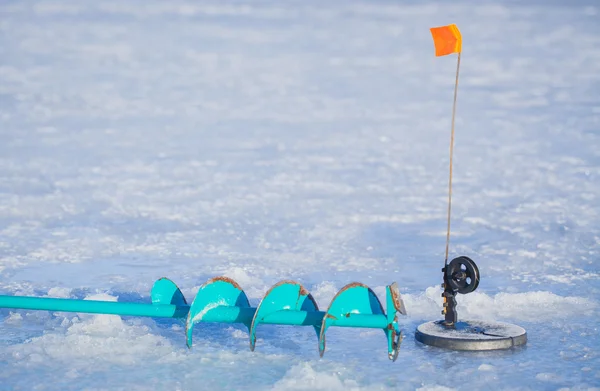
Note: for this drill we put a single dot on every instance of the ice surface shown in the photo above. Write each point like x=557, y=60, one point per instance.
x=298, y=140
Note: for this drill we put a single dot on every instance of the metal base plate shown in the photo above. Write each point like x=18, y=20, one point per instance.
x=471, y=335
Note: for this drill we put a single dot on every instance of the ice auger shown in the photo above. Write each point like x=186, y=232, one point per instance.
x=222, y=300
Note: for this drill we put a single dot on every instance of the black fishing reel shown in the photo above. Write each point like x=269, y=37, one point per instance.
x=461, y=275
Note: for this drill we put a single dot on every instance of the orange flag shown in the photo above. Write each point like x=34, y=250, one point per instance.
x=447, y=40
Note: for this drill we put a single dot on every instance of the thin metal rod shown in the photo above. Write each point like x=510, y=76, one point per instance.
x=94, y=306
x=223, y=314
x=451, y=155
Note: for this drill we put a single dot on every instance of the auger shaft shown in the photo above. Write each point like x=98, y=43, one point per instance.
x=220, y=314
x=94, y=306
x=245, y=315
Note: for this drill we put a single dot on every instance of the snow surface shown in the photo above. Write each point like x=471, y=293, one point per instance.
x=305, y=140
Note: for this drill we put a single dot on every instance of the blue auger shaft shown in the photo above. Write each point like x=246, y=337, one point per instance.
x=245, y=315
x=94, y=306
x=223, y=314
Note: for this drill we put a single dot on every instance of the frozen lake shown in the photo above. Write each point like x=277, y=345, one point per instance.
x=299, y=140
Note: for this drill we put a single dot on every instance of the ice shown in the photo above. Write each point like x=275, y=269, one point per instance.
x=101, y=338
x=303, y=376
x=246, y=279
x=486, y=367
x=324, y=292
x=305, y=141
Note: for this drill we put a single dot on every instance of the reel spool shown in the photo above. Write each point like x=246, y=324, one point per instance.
x=461, y=275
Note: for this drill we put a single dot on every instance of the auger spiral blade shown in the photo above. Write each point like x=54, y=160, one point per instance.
x=395, y=306
x=220, y=299
x=283, y=298
x=165, y=291
x=356, y=305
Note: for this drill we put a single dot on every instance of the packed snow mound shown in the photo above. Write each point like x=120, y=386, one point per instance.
x=102, y=338
x=526, y=306
x=305, y=377
x=324, y=376
x=105, y=339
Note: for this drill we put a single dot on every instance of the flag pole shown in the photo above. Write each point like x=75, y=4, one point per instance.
x=451, y=155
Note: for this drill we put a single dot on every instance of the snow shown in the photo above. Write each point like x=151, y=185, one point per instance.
x=299, y=140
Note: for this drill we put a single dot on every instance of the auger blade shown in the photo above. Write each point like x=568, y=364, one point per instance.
x=286, y=296
x=354, y=300
x=395, y=305
x=165, y=291
x=220, y=299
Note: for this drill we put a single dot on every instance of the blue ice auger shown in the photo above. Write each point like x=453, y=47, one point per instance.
x=222, y=300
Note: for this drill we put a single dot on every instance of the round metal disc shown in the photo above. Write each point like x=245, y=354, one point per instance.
x=471, y=335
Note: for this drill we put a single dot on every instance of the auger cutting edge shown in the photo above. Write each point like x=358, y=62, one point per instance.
x=222, y=300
